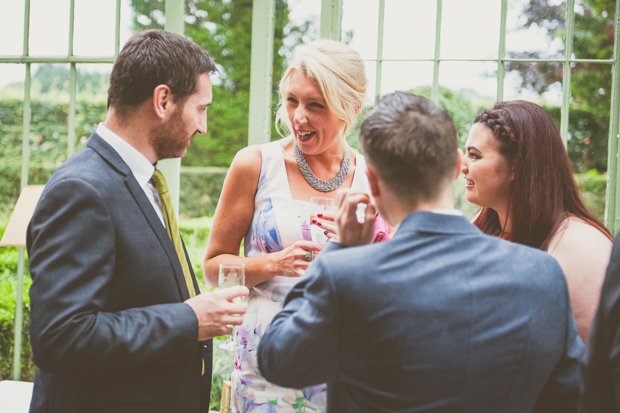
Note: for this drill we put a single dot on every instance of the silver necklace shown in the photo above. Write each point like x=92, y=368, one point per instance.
x=319, y=184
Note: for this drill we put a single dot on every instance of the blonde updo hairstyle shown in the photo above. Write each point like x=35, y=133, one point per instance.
x=339, y=72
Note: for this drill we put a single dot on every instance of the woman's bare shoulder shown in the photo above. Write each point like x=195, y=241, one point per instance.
x=576, y=236
x=248, y=157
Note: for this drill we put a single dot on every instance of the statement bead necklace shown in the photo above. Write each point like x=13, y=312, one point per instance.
x=319, y=184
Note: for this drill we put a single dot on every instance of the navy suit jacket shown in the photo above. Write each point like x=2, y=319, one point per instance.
x=441, y=318
x=108, y=326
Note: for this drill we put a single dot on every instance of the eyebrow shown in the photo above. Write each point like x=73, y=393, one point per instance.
x=469, y=148
x=318, y=99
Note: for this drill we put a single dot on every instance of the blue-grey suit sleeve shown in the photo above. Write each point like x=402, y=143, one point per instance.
x=300, y=348
x=561, y=393
x=72, y=245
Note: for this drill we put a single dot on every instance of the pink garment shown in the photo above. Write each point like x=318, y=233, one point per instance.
x=382, y=230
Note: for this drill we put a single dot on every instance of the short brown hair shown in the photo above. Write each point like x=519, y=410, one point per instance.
x=152, y=58
x=412, y=144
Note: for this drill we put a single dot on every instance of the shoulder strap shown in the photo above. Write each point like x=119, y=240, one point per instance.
x=280, y=193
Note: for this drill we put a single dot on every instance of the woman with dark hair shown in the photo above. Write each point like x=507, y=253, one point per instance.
x=518, y=171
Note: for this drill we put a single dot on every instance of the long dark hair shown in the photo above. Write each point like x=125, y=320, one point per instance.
x=543, y=191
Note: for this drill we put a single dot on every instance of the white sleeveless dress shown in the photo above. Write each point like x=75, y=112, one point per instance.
x=279, y=221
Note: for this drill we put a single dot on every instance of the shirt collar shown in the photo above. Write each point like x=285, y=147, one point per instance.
x=445, y=211
x=141, y=168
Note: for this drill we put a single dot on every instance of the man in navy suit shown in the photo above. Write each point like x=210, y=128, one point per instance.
x=441, y=318
x=601, y=365
x=117, y=321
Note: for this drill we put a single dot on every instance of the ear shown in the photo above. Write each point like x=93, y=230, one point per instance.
x=513, y=171
x=459, y=163
x=162, y=97
x=373, y=180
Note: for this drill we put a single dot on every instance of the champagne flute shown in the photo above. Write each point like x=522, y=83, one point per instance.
x=230, y=275
x=320, y=205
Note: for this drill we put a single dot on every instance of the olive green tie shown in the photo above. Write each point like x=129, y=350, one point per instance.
x=171, y=226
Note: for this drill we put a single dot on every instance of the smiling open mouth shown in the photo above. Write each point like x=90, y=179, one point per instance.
x=305, y=135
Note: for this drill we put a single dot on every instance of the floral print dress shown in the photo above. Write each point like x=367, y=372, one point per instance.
x=278, y=222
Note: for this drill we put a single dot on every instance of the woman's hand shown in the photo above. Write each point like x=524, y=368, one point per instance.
x=326, y=221
x=292, y=261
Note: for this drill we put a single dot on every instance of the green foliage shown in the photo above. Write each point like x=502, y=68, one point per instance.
x=587, y=138
x=458, y=106
x=461, y=109
x=8, y=284
x=592, y=186
x=47, y=141
x=200, y=190
x=223, y=366
x=590, y=83
x=195, y=233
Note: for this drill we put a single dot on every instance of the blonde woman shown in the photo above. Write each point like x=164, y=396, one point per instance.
x=265, y=203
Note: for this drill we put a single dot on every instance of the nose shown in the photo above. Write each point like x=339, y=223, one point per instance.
x=202, y=125
x=300, y=115
x=465, y=165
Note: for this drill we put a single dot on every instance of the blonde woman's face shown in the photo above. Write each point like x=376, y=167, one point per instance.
x=315, y=127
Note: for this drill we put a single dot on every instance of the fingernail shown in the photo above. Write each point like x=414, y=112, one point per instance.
x=318, y=223
x=314, y=221
x=325, y=232
x=319, y=215
x=379, y=236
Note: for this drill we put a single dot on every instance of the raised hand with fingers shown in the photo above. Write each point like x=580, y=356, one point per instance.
x=216, y=313
x=352, y=232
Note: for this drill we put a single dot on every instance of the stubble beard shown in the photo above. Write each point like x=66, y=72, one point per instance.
x=170, y=140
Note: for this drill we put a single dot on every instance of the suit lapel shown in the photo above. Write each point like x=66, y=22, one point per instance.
x=160, y=232
x=113, y=158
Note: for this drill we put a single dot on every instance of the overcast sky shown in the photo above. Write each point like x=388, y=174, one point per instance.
x=470, y=29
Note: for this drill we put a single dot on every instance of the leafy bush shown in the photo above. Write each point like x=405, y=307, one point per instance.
x=592, y=186
x=8, y=284
x=47, y=141
x=200, y=190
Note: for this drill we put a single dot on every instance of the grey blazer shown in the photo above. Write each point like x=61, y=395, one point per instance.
x=441, y=318
x=108, y=326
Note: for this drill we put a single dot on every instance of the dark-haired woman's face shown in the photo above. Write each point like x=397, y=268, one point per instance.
x=485, y=169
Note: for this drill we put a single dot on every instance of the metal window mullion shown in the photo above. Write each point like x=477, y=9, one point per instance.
x=379, y=69
x=171, y=168
x=72, y=97
x=435, y=86
x=56, y=59
x=117, y=32
x=71, y=26
x=72, y=84
x=502, y=51
x=261, y=72
x=568, y=52
x=612, y=204
x=331, y=19
x=19, y=288
x=506, y=59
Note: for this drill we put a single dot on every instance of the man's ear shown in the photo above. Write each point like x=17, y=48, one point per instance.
x=459, y=163
x=373, y=180
x=162, y=97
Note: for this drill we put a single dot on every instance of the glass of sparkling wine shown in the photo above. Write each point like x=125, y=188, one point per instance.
x=320, y=205
x=231, y=275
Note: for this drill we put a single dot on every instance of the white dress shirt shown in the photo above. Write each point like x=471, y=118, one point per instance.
x=141, y=168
